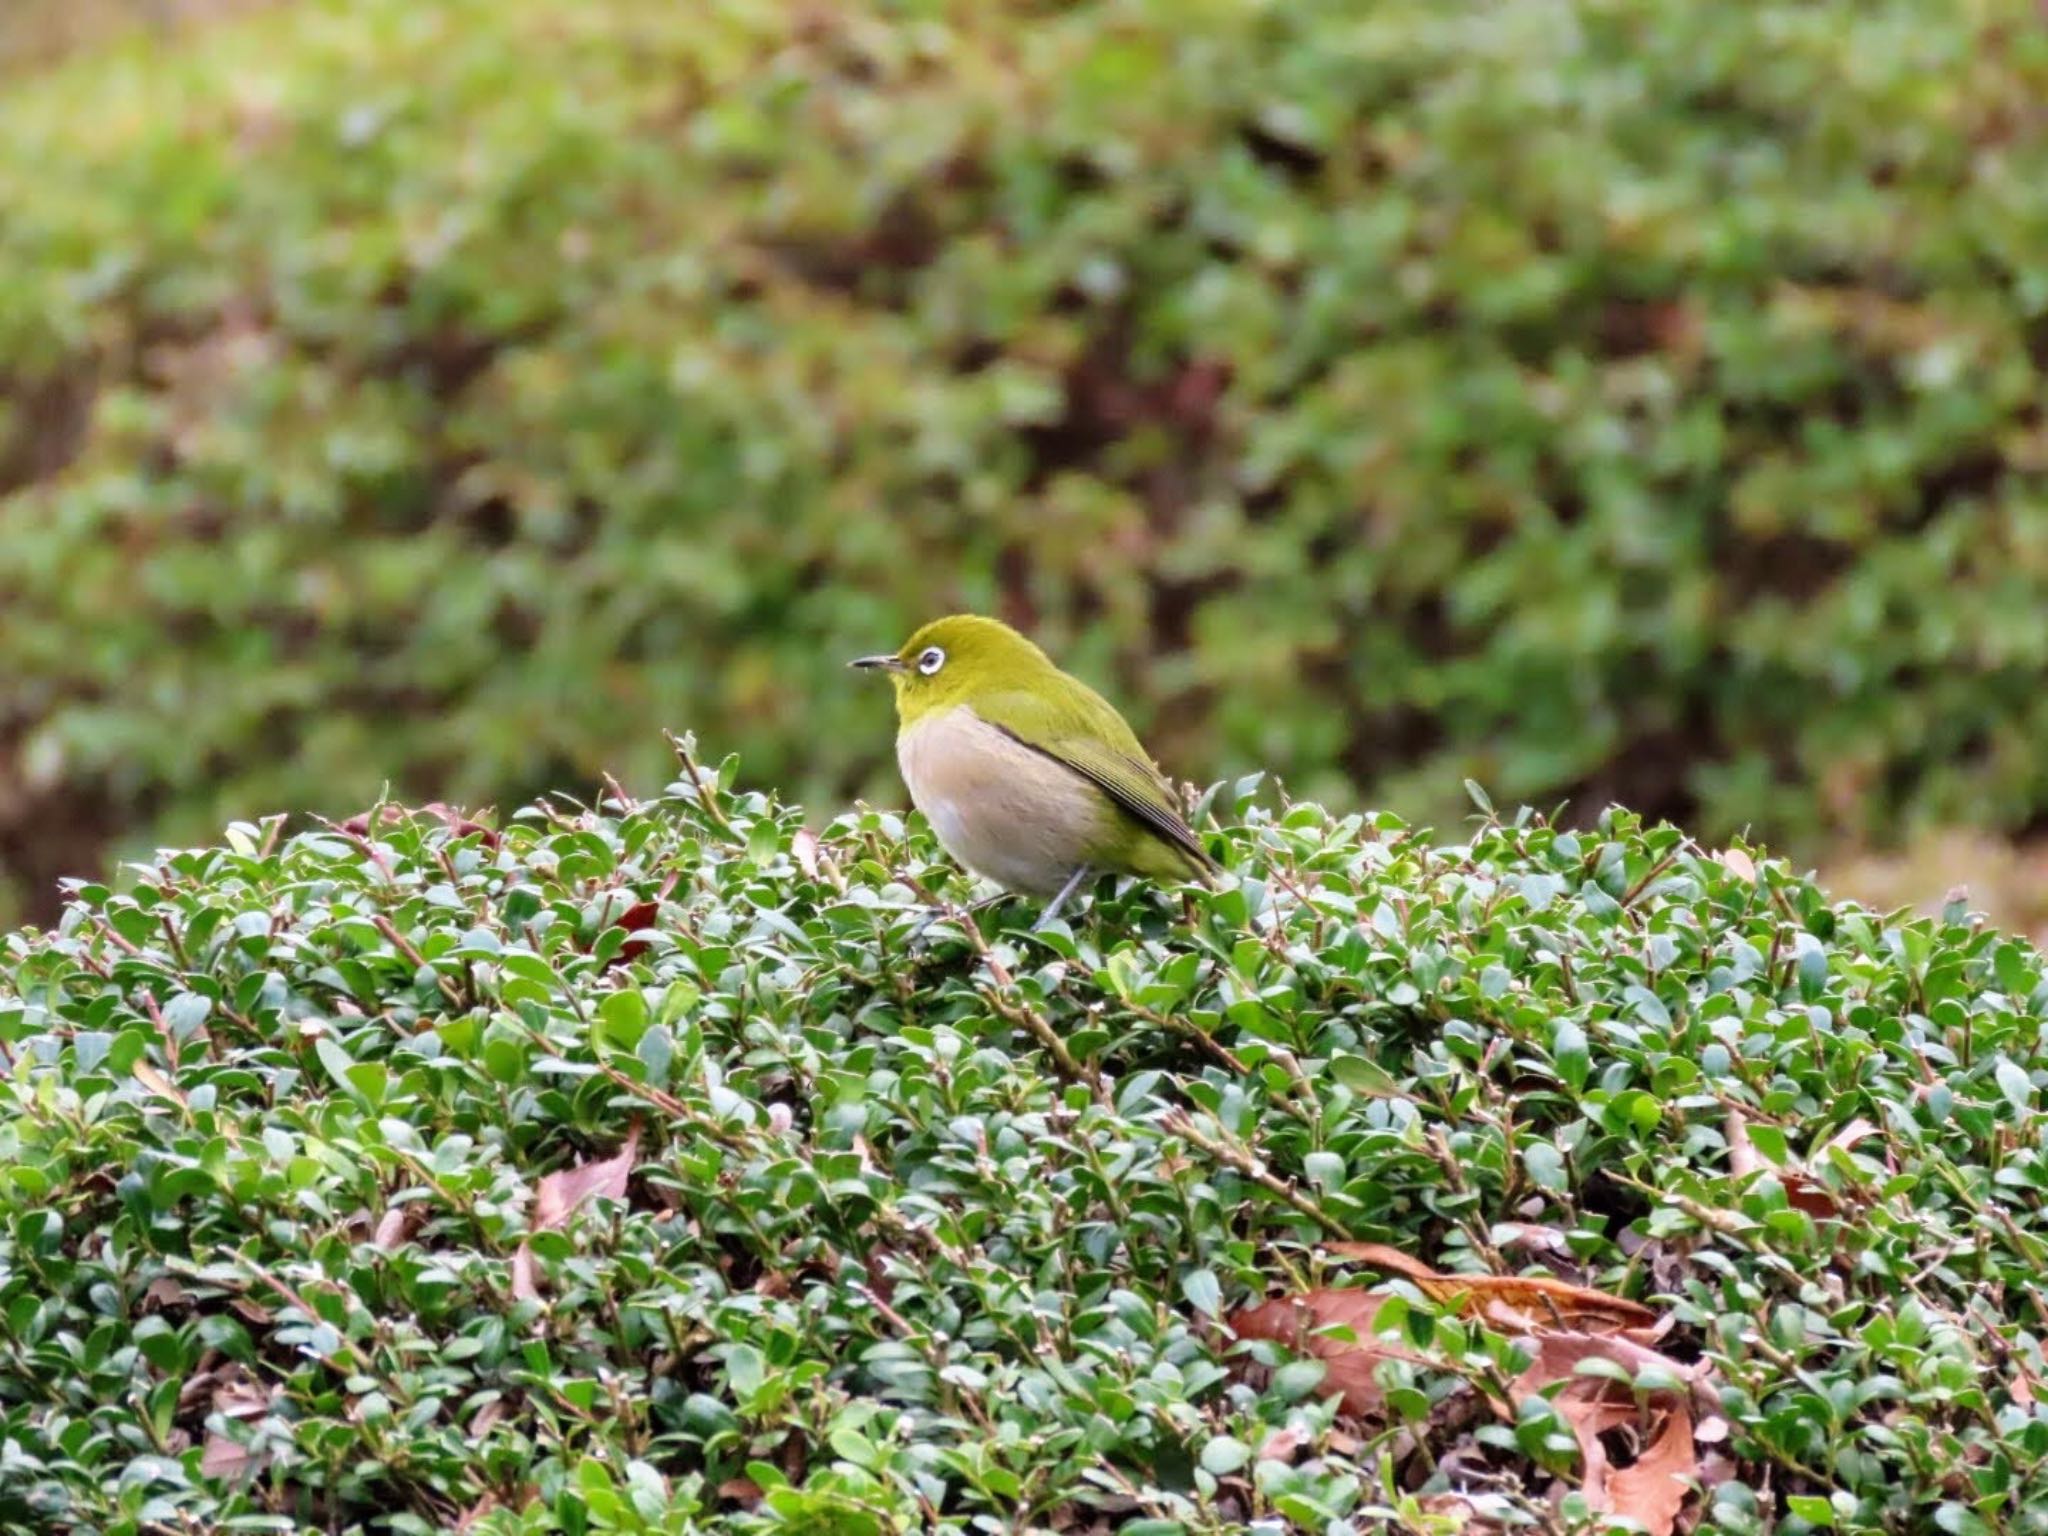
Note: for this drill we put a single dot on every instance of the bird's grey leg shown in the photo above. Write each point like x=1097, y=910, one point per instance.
x=1052, y=908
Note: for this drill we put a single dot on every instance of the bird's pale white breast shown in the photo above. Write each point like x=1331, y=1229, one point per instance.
x=1008, y=813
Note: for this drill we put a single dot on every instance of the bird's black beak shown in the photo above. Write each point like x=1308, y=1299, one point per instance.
x=877, y=663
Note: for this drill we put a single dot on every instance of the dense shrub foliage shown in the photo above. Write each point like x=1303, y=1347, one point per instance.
x=1605, y=399
x=647, y=1166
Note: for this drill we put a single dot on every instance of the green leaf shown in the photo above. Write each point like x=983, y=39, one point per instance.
x=2015, y=1084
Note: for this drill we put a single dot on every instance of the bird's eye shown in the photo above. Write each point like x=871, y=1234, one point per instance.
x=931, y=660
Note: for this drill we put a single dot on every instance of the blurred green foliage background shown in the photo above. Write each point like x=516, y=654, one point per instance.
x=1628, y=399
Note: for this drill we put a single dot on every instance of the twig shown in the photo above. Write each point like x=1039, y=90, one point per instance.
x=707, y=794
x=1656, y=869
x=1179, y=1123
x=1026, y=1017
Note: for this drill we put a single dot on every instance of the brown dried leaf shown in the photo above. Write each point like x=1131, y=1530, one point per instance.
x=157, y=1083
x=525, y=1286
x=1299, y=1323
x=1530, y=1236
x=1282, y=1444
x=1803, y=1191
x=397, y=1225
x=236, y=1395
x=228, y=1460
x=1390, y=1261
x=1459, y=1507
x=1742, y=1154
x=1654, y=1487
x=1515, y=1303
x=562, y=1191
x=740, y=1490
x=1847, y=1137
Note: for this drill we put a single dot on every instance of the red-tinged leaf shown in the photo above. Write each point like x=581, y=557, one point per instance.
x=460, y=825
x=641, y=915
x=1738, y=864
x=805, y=848
x=1302, y=1323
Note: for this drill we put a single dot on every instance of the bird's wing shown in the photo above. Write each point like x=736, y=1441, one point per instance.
x=1082, y=732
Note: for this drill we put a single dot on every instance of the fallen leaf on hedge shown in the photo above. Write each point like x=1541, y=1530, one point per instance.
x=1300, y=1323
x=1512, y=1302
x=397, y=1225
x=561, y=1192
x=1803, y=1191
x=1387, y=1259
x=1529, y=1235
x=1282, y=1444
x=1654, y=1486
x=157, y=1083
x=1563, y=1326
x=228, y=1460
x=1464, y=1509
x=238, y=1396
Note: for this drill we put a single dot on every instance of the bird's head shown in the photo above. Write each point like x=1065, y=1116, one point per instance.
x=953, y=660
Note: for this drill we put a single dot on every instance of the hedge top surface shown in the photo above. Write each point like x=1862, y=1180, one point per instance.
x=1628, y=399
x=634, y=1170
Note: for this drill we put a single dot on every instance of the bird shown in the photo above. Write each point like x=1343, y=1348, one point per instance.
x=1029, y=777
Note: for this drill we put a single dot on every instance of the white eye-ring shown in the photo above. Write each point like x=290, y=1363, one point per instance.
x=930, y=660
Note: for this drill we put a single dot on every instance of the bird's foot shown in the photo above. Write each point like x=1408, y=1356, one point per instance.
x=1052, y=908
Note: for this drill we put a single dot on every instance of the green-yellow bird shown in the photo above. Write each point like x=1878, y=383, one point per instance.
x=1028, y=776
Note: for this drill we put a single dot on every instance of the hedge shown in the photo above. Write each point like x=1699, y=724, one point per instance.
x=1609, y=400
x=664, y=1166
